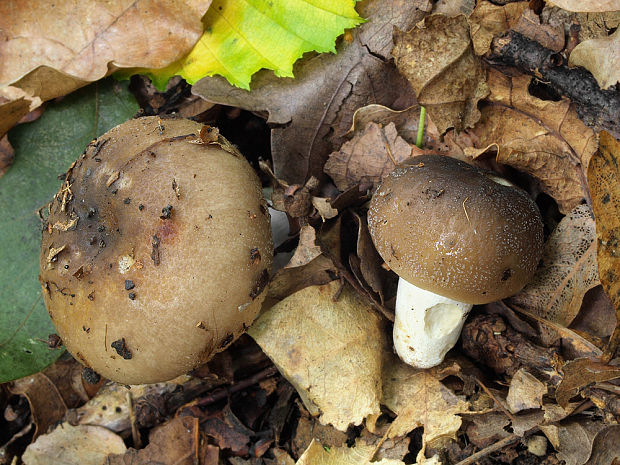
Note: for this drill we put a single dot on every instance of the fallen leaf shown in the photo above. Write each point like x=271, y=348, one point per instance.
x=547, y=35
x=326, y=91
x=606, y=446
x=308, y=266
x=102, y=37
x=525, y=392
x=310, y=429
x=604, y=179
x=173, y=443
x=449, y=84
x=320, y=345
x=580, y=373
x=240, y=39
x=601, y=57
x=568, y=270
x=540, y=137
x=418, y=398
x=572, y=440
x=228, y=432
x=46, y=404
x=6, y=154
x=487, y=428
x=74, y=445
x=324, y=208
x=372, y=154
x=590, y=6
x=454, y=7
x=489, y=20
x=316, y=454
x=390, y=448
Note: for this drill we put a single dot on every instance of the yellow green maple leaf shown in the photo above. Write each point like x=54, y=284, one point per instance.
x=243, y=36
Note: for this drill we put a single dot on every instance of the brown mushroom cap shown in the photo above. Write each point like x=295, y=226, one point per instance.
x=447, y=227
x=156, y=251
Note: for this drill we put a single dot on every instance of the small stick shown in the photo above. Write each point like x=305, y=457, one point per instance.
x=224, y=393
x=499, y=445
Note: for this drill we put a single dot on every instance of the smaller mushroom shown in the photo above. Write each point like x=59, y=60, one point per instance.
x=457, y=236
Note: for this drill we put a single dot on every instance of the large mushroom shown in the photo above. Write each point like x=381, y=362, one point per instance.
x=456, y=235
x=156, y=251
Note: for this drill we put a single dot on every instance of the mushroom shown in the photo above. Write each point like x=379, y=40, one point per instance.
x=456, y=235
x=156, y=250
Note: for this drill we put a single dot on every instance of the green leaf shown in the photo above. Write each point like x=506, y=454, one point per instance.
x=43, y=150
x=243, y=36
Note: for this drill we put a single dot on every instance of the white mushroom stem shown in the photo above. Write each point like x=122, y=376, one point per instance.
x=426, y=325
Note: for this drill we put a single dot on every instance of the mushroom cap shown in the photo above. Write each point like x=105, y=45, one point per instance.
x=156, y=250
x=449, y=228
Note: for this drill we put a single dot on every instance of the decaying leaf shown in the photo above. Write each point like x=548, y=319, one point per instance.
x=172, y=443
x=572, y=440
x=74, y=445
x=487, y=428
x=420, y=399
x=580, y=373
x=489, y=20
x=326, y=91
x=590, y=6
x=321, y=341
x=606, y=446
x=316, y=454
x=6, y=154
x=525, y=392
x=540, y=137
x=568, y=270
x=547, y=35
x=438, y=60
x=372, y=154
x=601, y=57
x=307, y=267
x=604, y=179
x=102, y=36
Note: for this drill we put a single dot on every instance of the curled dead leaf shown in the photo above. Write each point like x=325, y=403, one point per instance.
x=540, y=137
x=372, y=154
x=451, y=83
x=489, y=20
x=321, y=339
x=580, y=373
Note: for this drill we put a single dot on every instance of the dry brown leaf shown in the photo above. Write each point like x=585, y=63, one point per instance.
x=572, y=440
x=525, y=392
x=420, y=399
x=601, y=57
x=373, y=153
x=588, y=6
x=322, y=345
x=307, y=267
x=543, y=138
x=568, y=270
x=173, y=443
x=46, y=404
x=74, y=445
x=48, y=51
x=6, y=154
x=547, y=35
x=309, y=429
x=454, y=7
x=606, y=446
x=319, y=103
x=392, y=448
x=580, y=373
x=489, y=20
x=604, y=179
x=487, y=428
x=438, y=60
x=316, y=454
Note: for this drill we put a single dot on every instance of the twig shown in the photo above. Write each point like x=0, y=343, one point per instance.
x=220, y=394
x=489, y=450
x=496, y=400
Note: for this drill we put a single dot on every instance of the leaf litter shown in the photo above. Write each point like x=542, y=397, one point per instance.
x=527, y=380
